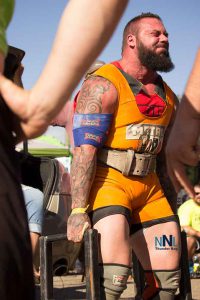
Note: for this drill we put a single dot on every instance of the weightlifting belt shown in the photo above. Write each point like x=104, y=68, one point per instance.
x=128, y=162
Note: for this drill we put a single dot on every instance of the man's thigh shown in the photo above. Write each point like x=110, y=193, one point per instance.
x=158, y=247
x=114, y=239
x=34, y=204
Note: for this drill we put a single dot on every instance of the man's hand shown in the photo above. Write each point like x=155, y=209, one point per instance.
x=76, y=226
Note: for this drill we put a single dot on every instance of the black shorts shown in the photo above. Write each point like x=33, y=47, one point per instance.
x=102, y=212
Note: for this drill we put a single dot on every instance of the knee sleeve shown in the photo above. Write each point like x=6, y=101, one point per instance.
x=113, y=280
x=161, y=284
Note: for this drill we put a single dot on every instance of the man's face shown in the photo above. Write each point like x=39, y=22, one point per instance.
x=197, y=192
x=153, y=45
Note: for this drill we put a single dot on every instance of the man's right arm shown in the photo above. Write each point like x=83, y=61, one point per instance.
x=97, y=96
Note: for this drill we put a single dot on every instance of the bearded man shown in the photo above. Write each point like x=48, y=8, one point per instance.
x=123, y=113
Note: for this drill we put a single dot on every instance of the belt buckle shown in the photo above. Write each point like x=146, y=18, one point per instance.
x=142, y=165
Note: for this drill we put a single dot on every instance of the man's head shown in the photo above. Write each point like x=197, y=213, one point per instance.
x=147, y=37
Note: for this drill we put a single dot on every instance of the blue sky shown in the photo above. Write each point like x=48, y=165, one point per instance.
x=35, y=23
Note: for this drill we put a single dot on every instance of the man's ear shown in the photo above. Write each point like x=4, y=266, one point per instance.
x=131, y=40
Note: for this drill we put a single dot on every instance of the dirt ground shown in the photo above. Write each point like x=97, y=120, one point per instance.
x=72, y=287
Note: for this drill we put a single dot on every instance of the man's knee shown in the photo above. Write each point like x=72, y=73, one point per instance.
x=161, y=284
x=113, y=280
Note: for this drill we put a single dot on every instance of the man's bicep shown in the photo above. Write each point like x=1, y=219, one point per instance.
x=97, y=95
x=94, y=112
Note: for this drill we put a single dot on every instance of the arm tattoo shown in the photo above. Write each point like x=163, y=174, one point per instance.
x=82, y=175
x=90, y=99
x=84, y=161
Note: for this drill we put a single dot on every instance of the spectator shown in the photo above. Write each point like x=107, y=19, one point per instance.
x=189, y=216
x=37, y=107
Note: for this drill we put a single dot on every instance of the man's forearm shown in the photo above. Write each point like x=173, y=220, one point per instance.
x=82, y=175
x=190, y=231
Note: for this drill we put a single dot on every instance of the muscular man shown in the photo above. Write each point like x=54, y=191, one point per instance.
x=123, y=112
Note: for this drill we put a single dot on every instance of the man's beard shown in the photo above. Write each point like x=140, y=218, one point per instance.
x=156, y=62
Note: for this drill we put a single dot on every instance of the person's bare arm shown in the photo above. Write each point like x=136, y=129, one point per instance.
x=84, y=30
x=182, y=148
x=190, y=231
x=97, y=95
x=161, y=166
x=192, y=91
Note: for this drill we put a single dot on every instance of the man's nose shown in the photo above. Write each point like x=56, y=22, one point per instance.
x=164, y=38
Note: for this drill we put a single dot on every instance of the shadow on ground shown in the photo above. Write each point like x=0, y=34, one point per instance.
x=65, y=293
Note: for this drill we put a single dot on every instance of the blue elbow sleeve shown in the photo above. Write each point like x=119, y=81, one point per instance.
x=91, y=129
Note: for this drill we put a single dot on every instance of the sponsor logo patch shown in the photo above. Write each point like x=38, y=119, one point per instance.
x=150, y=137
x=165, y=242
x=90, y=136
x=119, y=280
x=90, y=122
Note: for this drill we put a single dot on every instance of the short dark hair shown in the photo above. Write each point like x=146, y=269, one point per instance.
x=132, y=27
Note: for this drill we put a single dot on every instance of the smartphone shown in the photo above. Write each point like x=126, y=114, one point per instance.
x=12, y=61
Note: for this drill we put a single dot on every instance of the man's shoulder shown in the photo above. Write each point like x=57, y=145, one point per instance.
x=111, y=73
x=109, y=67
x=188, y=204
